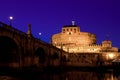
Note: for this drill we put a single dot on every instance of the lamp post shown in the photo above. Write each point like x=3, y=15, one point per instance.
x=11, y=18
x=40, y=33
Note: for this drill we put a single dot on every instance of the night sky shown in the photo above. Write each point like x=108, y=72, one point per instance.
x=101, y=17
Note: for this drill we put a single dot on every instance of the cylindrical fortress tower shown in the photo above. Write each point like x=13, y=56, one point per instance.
x=71, y=36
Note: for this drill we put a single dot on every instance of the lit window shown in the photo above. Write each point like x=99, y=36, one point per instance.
x=67, y=29
x=75, y=30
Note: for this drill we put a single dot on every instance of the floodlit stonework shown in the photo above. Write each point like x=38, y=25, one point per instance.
x=72, y=40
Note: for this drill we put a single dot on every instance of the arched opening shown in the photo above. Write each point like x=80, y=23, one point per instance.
x=40, y=52
x=8, y=51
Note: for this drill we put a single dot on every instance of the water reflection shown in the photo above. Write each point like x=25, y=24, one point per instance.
x=7, y=78
x=69, y=75
x=90, y=76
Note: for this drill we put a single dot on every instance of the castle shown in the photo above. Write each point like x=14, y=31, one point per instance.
x=82, y=47
x=72, y=40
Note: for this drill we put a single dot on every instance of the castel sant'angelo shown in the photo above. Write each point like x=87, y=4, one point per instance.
x=72, y=40
x=82, y=47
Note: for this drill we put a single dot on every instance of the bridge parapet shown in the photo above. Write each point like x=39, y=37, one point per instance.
x=5, y=26
x=41, y=41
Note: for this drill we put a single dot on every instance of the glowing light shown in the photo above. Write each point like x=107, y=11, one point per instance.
x=111, y=56
x=67, y=32
x=11, y=17
x=40, y=33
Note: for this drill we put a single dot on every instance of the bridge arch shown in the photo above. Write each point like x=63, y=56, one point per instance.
x=11, y=35
x=8, y=51
x=40, y=52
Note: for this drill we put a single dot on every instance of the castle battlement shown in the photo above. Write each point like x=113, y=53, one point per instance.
x=95, y=45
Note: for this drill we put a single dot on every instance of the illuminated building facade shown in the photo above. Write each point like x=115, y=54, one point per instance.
x=82, y=47
x=72, y=40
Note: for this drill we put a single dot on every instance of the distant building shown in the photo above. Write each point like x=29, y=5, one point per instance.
x=72, y=40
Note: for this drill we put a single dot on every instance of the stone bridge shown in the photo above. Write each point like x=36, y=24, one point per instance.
x=19, y=49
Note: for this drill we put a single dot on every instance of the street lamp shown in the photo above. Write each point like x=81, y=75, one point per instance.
x=39, y=33
x=11, y=18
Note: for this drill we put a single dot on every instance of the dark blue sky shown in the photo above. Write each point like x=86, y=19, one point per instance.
x=100, y=17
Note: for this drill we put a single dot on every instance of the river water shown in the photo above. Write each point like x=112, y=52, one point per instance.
x=67, y=75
